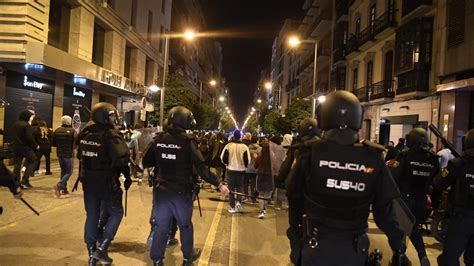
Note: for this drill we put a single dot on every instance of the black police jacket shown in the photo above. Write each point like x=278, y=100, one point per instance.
x=102, y=151
x=459, y=175
x=414, y=170
x=174, y=154
x=341, y=182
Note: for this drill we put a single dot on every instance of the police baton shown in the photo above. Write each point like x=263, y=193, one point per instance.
x=29, y=206
x=445, y=142
x=126, y=198
x=199, y=204
x=246, y=195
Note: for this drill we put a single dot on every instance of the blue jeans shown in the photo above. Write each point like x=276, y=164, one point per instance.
x=235, y=180
x=66, y=171
x=167, y=205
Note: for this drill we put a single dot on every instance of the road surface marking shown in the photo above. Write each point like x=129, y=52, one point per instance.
x=234, y=237
x=211, y=236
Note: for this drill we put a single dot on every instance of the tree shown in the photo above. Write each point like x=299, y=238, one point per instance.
x=207, y=117
x=270, y=123
x=252, y=125
x=226, y=123
x=298, y=110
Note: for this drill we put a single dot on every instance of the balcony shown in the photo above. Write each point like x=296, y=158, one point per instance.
x=362, y=94
x=323, y=58
x=342, y=9
x=385, y=24
x=413, y=83
x=352, y=47
x=366, y=37
x=382, y=91
x=415, y=7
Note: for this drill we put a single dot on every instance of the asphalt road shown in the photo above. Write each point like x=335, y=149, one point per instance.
x=56, y=236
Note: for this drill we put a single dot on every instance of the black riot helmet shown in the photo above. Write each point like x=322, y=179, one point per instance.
x=181, y=118
x=468, y=144
x=105, y=114
x=308, y=127
x=417, y=137
x=340, y=117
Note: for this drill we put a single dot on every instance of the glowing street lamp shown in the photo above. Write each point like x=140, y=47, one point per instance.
x=154, y=88
x=213, y=83
x=222, y=99
x=189, y=35
x=321, y=99
x=268, y=85
x=259, y=101
x=294, y=41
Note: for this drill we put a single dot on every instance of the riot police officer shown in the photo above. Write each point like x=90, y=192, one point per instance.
x=174, y=153
x=414, y=170
x=460, y=176
x=307, y=130
x=342, y=179
x=104, y=155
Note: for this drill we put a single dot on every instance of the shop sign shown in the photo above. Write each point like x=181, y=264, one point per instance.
x=18, y=80
x=123, y=83
x=111, y=79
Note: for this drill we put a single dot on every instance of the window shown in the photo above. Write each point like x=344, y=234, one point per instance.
x=357, y=26
x=456, y=22
x=163, y=6
x=372, y=17
x=59, y=16
x=388, y=75
x=98, y=44
x=128, y=59
x=162, y=38
x=150, y=26
x=355, y=74
x=111, y=3
x=133, y=17
x=370, y=73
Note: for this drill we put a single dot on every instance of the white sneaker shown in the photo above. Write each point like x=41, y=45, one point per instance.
x=238, y=207
x=261, y=215
x=231, y=210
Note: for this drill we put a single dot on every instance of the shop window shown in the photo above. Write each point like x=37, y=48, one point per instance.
x=58, y=32
x=98, y=45
x=456, y=22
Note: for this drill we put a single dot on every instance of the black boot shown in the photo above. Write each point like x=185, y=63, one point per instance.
x=91, y=249
x=194, y=256
x=101, y=253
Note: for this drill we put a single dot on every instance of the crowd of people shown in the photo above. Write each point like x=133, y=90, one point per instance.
x=329, y=178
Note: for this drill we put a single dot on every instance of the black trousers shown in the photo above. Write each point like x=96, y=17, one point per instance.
x=460, y=238
x=47, y=156
x=30, y=157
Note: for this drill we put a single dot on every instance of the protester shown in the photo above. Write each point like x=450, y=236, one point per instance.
x=63, y=140
x=445, y=156
x=43, y=136
x=216, y=144
x=24, y=147
x=130, y=136
x=264, y=177
x=392, y=152
x=401, y=144
x=236, y=157
x=250, y=177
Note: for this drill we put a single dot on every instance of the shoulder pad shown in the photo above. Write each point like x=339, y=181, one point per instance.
x=373, y=146
x=312, y=142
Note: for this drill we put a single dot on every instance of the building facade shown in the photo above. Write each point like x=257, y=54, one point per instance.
x=283, y=66
x=197, y=62
x=315, y=26
x=385, y=52
x=456, y=70
x=57, y=56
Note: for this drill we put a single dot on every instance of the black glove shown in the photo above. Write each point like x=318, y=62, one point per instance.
x=400, y=259
x=127, y=183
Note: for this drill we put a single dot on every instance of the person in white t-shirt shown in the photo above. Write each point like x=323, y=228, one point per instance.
x=445, y=156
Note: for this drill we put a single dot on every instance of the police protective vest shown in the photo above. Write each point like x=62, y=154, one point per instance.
x=102, y=151
x=341, y=186
x=463, y=190
x=172, y=154
x=419, y=168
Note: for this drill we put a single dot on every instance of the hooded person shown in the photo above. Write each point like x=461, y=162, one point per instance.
x=24, y=147
x=63, y=140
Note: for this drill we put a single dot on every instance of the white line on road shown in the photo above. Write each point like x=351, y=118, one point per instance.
x=211, y=236
x=234, y=240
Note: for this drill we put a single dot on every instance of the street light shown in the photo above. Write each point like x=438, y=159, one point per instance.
x=222, y=99
x=321, y=99
x=268, y=85
x=213, y=82
x=294, y=42
x=259, y=101
x=153, y=88
x=188, y=35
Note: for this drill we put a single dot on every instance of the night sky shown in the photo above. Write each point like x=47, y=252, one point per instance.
x=247, y=29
